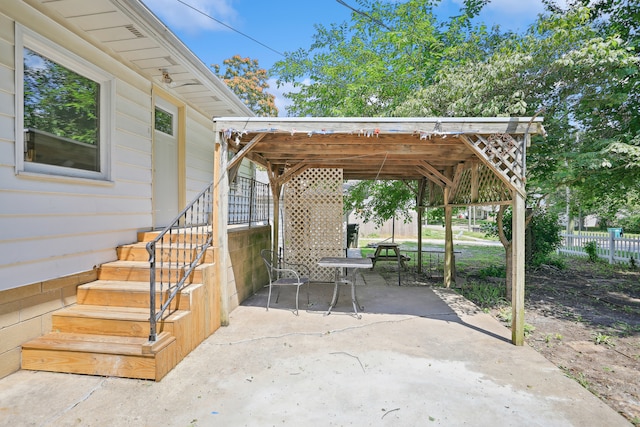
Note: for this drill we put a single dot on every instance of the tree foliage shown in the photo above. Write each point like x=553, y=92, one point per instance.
x=379, y=201
x=369, y=66
x=247, y=80
x=579, y=78
x=542, y=234
x=577, y=66
x=59, y=101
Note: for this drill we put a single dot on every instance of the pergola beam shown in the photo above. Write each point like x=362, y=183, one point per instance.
x=244, y=151
x=430, y=171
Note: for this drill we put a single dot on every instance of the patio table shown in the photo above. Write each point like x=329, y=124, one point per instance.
x=352, y=264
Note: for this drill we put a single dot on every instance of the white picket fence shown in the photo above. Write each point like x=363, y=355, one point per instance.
x=610, y=247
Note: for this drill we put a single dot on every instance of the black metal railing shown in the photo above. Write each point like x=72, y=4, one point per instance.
x=248, y=202
x=176, y=252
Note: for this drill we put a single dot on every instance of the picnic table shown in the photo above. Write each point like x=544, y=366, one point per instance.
x=382, y=254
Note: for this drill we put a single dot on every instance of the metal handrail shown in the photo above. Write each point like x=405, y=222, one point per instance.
x=183, y=244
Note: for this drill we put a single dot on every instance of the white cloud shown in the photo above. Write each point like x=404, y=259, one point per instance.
x=180, y=17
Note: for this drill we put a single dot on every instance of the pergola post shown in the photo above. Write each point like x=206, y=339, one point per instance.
x=449, y=267
x=517, y=268
x=448, y=247
x=422, y=186
x=219, y=224
x=275, y=192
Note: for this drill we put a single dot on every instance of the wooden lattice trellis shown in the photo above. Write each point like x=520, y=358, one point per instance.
x=504, y=153
x=486, y=189
x=313, y=219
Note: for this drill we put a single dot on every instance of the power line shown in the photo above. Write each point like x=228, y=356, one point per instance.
x=231, y=28
x=366, y=15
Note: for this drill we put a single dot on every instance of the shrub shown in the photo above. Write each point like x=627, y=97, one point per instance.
x=631, y=224
x=542, y=236
x=591, y=248
x=493, y=271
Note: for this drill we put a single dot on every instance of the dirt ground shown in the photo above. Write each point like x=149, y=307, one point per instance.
x=586, y=320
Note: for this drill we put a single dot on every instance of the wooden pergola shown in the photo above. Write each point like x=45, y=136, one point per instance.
x=453, y=161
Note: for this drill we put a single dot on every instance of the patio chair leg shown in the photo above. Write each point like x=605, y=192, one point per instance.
x=269, y=298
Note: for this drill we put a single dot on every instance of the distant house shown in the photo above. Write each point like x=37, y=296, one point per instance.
x=105, y=131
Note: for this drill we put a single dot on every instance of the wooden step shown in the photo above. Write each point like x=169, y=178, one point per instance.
x=139, y=272
x=106, y=320
x=138, y=252
x=121, y=356
x=118, y=293
x=179, y=235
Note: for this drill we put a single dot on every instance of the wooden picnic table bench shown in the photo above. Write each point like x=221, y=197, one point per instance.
x=386, y=256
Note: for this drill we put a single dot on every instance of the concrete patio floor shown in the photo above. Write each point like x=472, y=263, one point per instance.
x=418, y=356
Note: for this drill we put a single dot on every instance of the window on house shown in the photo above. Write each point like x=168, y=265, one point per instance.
x=61, y=115
x=164, y=121
x=65, y=118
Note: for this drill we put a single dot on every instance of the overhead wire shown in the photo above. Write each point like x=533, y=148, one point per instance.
x=253, y=39
x=366, y=15
x=230, y=27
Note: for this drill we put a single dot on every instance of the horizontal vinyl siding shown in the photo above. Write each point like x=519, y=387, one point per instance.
x=32, y=270
x=6, y=53
x=7, y=94
x=21, y=203
x=246, y=170
x=7, y=131
x=7, y=102
x=6, y=28
x=50, y=226
x=199, y=153
x=6, y=79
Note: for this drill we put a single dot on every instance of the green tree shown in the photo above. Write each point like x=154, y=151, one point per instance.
x=379, y=201
x=542, y=234
x=371, y=65
x=247, y=80
x=577, y=76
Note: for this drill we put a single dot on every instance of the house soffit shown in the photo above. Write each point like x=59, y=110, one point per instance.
x=125, y=30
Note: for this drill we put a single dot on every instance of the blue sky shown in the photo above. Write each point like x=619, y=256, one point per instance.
x=287, y=25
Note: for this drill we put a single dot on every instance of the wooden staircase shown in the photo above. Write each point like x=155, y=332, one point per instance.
x=106, y=332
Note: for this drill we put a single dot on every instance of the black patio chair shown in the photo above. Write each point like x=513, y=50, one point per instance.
x=283, y=273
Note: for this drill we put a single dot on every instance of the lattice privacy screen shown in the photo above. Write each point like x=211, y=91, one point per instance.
x=505, y=153
x=490, y=188
x=313, y=219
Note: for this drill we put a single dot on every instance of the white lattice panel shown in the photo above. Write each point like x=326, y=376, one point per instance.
x=313, y=219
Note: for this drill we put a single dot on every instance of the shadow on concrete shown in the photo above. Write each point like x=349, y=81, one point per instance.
x=377, y=297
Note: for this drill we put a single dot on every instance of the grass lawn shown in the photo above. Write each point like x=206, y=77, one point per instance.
x=469, y=258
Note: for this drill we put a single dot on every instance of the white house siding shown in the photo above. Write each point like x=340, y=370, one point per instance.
x=199, y=152
x=52, y=226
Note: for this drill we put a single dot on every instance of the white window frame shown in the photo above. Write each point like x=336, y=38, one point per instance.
x=42, y=46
